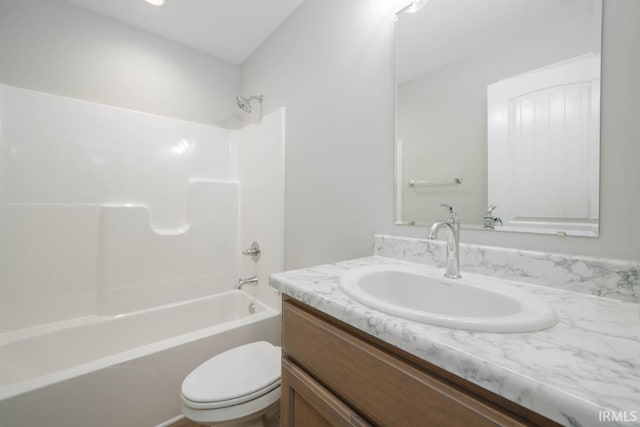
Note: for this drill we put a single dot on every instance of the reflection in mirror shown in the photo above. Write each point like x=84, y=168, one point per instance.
x=498, y=109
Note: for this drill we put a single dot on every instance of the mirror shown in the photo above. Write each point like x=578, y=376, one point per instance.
x=498, y=114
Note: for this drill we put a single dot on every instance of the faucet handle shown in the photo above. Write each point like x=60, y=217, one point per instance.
x=452, y=212
x=254, y=252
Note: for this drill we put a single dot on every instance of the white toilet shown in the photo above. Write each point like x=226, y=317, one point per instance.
x=234, y=388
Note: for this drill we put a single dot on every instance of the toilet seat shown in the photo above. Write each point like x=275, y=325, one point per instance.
x=231, y=402
x=234, y=384
x=245, y=411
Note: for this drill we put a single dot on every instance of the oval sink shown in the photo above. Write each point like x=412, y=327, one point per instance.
x=423, y=294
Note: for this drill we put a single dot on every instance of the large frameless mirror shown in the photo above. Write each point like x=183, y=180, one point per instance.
x=498, y=114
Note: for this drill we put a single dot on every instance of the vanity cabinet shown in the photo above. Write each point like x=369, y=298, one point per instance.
x=336, y=375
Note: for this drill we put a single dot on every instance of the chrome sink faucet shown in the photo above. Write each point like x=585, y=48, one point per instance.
x=490, y=220
x=452, y=228
x=249, y=281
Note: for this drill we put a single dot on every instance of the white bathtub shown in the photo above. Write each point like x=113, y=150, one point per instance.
x=121, y=370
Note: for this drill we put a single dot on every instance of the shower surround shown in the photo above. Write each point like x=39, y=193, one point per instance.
x=106, y=211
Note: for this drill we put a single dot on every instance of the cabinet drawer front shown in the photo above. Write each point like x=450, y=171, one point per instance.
x=387, y=390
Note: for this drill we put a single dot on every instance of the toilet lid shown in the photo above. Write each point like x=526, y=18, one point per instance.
x=234, y=374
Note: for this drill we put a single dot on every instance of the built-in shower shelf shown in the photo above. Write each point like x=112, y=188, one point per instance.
x=195, y=203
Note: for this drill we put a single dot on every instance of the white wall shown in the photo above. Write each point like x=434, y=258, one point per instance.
x=331, y=65
x=56, y=47
x=64, y=150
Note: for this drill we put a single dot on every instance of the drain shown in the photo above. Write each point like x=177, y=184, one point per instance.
x=252, y=308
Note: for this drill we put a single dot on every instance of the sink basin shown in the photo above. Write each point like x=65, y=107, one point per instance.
x=423, y=294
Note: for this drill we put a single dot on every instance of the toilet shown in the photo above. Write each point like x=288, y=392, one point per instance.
x=235, y=388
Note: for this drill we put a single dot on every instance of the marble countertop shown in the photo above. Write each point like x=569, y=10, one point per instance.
x=589, y=362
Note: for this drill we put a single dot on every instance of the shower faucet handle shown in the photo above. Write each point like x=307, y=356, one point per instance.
x=254, y=252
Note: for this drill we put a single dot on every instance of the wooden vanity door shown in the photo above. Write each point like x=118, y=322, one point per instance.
x=305, y=403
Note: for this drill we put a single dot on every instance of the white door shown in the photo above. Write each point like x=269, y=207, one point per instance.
x=543, y=145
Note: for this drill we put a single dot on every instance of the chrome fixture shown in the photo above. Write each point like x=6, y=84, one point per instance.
x=245, y=103
x=452, y=227
x=433, y=182
x=254, y=252
x=250, y=281
x=489, y=221
x=414, y=6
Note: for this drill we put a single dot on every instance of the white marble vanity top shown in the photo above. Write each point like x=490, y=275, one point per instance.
x=589, y=362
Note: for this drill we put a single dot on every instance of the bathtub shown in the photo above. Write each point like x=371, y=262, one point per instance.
x=123, y=370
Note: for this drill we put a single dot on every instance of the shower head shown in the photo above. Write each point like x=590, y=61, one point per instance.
x=245, y=103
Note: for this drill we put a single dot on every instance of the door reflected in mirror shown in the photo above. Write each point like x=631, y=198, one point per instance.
x=498, y=114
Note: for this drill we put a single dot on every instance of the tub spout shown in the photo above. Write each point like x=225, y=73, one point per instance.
x=250, y=281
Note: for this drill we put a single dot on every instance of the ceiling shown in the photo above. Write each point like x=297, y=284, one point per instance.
x=445, y=31
x=228, y=29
